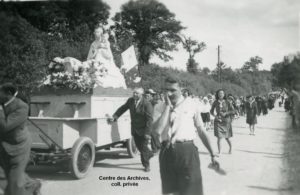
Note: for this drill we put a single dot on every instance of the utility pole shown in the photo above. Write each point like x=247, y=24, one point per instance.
x=299, y=31
x=219, y=65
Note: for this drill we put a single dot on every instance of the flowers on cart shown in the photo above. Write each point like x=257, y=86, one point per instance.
x=71, y=81
x=88, y=75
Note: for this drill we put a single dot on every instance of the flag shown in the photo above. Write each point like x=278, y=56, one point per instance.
x=129, y=59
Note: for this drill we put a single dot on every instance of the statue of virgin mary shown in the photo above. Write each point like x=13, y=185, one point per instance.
x=102, y=58
x=100, y=63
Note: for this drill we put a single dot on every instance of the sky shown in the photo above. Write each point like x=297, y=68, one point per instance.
x=243, y=29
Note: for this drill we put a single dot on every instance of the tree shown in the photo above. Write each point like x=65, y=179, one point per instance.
x=23, y=58
x=217, y=73
x=276, y=70
x=252, y=64
x=61, y=18
x=206, y=71
x=229, y=75
x=68, y=25
x=192, y=47
x=251, y=67
x=192, y=66
x=155, y=75
x=33, y=33
x=287, y=73
x=151, y=26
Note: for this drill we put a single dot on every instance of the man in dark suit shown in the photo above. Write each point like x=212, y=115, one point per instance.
x=141, y=121
x=15, y=143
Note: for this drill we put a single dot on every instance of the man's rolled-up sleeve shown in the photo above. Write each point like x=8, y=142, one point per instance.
x=198, y=122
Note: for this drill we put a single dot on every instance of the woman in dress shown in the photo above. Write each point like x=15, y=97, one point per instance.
x=222, y=110
x=243, y=102
x=251, y=112
x=264, y=105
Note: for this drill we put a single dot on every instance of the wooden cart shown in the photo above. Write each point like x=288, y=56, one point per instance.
x=69, y=126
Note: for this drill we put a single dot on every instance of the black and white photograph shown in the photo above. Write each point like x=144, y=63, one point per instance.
x=149, y=97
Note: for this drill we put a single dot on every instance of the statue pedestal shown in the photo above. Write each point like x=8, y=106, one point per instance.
x=64, y=103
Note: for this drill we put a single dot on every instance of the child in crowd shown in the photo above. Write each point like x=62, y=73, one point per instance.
x=205, y=113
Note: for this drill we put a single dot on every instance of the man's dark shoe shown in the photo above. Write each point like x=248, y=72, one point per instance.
x=33, y=186
x=147, y=169
x=37, y=190
x=151, y=154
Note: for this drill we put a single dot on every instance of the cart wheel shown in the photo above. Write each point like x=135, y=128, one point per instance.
x=131, y=148
x=83, y=157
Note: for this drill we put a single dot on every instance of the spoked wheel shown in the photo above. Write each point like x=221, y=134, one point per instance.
x=131, y=148
x=83, y=157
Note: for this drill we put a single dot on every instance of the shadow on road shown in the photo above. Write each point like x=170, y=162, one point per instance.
x=204, y=153
x=117, y=154
x=119, y=166
x=266, y=153
x=58, y=172
x=292, y=160
x=270, y=128
x=271, y=189
x=279, y=157
x=239, y=133
x=259, y=127
x=48, y=172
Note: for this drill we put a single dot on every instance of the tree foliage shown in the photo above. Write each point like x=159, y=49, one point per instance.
x=192, y=47
x=206, y=71
x=255, y=83
x=253, y=64
x=149, y=25
x=217, y=72
x=33, y=33
x=61, y=18
x=286, y=74
x=23, y=53
x=192, y=66
x=200, y=84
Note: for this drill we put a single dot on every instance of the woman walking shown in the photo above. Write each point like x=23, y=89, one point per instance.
x=251, y=112
x=222, y=123
x=264, y=105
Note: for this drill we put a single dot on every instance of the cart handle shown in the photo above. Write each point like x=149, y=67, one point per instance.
x=45, y=134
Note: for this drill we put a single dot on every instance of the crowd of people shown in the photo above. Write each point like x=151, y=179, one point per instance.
x=166, y=122
x=241, y=106
x=291, y=103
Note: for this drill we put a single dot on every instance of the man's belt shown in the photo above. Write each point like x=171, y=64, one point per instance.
x=183, y=141
x=167, y=143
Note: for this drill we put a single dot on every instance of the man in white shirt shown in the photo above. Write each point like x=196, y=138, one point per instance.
x=179, y=157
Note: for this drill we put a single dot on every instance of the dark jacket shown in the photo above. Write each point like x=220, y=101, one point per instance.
x=14, y=137
x=141, y=117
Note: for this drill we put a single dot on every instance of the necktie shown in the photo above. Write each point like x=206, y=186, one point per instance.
x=172, y=120
x=173, y=115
